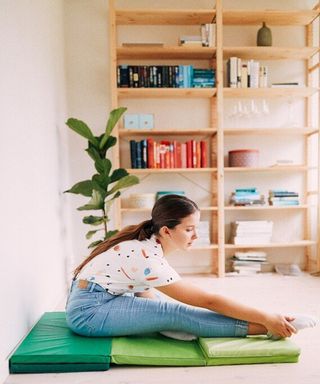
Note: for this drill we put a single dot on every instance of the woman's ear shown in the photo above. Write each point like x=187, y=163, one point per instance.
x=164, y=231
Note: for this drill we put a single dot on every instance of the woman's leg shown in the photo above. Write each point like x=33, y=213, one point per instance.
x=101, y=314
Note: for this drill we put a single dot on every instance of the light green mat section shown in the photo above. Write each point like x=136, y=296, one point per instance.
x=155, y=349
x=249, y=350
x=52, y=347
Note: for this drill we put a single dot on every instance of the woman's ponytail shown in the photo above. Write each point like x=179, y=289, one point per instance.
x=141, y=231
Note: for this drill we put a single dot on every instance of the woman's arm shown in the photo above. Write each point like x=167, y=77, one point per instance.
x=190, y=294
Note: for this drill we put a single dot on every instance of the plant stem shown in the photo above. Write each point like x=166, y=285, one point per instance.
x=105, y=223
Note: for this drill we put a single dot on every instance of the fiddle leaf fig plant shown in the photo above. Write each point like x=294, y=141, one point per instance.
x=106, y=184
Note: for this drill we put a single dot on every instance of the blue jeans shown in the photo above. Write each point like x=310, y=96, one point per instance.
x=92, y=311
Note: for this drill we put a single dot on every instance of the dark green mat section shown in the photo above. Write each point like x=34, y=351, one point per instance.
x=52, y=347
x=249, y=350
x=155, y=349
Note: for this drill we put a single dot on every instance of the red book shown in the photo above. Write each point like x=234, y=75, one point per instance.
x=189, y=154
x=150, y=149
x=179, y=155
x=204, y=154
x=194, y=153
x=183, y=155
x=198, y=154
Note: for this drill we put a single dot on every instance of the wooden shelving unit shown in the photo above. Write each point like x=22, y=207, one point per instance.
x=216, y=132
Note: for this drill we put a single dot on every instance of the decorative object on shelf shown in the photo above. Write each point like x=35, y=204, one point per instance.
x=164, y=193
x=131, y=121
x=146, y=121
x=244, y=158
x=138, y=121
x=264, y=36
x=104, y=186
x=142, y=200
x=246, y=197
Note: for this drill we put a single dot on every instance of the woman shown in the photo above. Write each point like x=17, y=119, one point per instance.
x=112, y=291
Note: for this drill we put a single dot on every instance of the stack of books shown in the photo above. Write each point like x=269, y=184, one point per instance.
x=250, y=262
x=251, y=232
x=249, y=74
x=246, y=196
x=149, y=153
x=203, y=233
x=282, y=197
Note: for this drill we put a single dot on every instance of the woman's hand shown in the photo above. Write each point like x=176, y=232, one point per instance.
x=280, y=325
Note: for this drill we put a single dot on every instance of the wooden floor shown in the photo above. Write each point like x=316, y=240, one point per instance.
x=269, y=292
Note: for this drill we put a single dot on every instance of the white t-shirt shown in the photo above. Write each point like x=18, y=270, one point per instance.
x=130, y=266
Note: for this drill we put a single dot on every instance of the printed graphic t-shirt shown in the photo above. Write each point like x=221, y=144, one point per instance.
x=130, y=266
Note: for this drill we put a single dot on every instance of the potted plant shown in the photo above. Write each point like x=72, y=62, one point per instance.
x=106, y=184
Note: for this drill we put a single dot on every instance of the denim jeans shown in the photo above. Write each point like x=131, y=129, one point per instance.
x=92, y=311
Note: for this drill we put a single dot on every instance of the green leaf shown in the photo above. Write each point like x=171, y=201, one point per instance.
x=82, y=188
x=110, y=142
x=109, y=202
x=93, y=220
x=125, y=182
x=112, y=121
x=91, y=233
x=101, y=183
x=96, y=202
x=110, y=234
x=93, y=153
x=118, y=174
x=103, y=166
x=94, y=244
x=82, y=129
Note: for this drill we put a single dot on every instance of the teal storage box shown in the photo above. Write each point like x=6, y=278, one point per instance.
x=248, y=350
x=155, y=349
x=52, y=347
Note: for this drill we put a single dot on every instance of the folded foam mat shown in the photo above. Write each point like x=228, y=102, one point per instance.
x=248, y=350
x=155, y=349
x=52, y=347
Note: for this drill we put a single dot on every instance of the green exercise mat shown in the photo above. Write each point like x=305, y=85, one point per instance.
x=248, y=350
x=155, y=349
x=52, y=347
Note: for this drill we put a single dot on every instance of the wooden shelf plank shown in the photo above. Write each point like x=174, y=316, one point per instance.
x=167, y=132
x=270, y=17
x=164, y=16
x=277, y=168
x=133, y=210
x=171, y=170
x=268, y=92
x=270, y=53
x=301, y=243
x=166, y=52
x=166, y=92
x=271, y=131
x=266, y=208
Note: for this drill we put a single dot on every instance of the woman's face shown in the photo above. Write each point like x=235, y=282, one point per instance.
x=183, y=235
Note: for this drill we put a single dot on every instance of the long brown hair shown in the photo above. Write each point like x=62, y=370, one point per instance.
x=168, y=211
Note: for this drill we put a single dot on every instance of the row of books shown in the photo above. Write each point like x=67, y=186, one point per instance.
x=204, y=39
x=282, y=197
x=250, y=262
x=250, y=74
x=164, y=76
x=148, y=153
x=251, y=232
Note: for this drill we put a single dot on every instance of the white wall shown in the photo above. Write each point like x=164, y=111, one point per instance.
x=33, y=166
x=89, y=98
